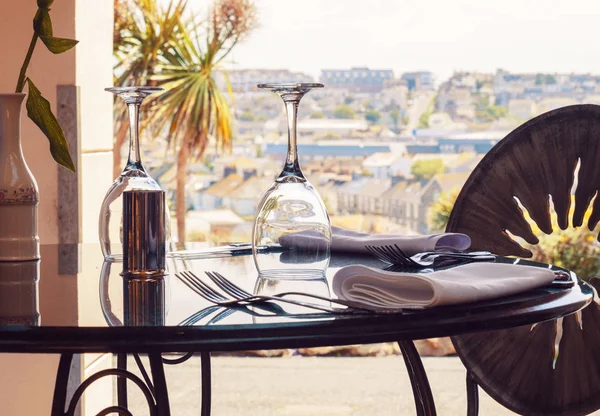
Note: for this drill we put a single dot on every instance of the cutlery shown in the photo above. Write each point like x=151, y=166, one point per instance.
x=393, y=254
x=208, y=293
x=238, y=293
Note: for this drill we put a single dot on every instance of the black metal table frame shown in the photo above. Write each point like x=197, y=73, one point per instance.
x=529, y=308
x=156, y=392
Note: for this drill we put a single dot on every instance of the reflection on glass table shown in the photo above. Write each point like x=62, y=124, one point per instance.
x=78, y=320
x=142, y=301
x=19, y=286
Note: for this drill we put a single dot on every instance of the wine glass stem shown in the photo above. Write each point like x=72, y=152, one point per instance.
x=292, y=166
x=134, y=159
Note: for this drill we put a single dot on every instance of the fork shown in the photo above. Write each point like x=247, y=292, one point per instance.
x=208, y=293
x=395, y=255
x=238, y=293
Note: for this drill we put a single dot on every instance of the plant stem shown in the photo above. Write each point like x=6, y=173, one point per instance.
x=21, y=81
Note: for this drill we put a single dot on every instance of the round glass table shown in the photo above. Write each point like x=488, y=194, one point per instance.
x=72, y=302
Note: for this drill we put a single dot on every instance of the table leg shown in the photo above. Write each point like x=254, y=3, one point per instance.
x=161, y=394
x=122, y=381
x=472, y=396
x=158, y=406
x=59, y=400
x=206, y=383
x=418, y=379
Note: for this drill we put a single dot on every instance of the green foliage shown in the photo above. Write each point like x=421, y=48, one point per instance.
x=38, y=108
x=344, y=112
x=539, y=79
x=317, y=114
x=576, y=249
x=491, y=113
x=427, y=169
x=439, y=212
x=545, y=79
x=424, y=118
x=348, y=100
x=372, y=116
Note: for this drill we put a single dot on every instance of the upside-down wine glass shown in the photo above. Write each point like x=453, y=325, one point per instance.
x=133, y=177
x=291, y=213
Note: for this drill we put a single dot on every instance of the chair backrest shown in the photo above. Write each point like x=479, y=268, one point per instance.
x=536, y=161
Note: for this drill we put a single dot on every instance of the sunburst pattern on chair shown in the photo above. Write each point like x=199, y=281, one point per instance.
x=534, y=163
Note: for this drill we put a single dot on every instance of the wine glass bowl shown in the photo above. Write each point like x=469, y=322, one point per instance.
x=291, y=208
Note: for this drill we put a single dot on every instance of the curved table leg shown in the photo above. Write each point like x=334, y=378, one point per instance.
x=472, y=396
x=418, y=379
x=161, y=394
x=122, y=381
x=59, y=400
x=206, y=383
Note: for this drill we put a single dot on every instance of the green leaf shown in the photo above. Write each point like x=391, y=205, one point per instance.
x=38, y=110
x=42, y=24
x=58, y=45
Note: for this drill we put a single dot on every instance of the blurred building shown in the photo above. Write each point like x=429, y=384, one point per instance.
x=244, y=80
x=418, y=80
x=357, y=79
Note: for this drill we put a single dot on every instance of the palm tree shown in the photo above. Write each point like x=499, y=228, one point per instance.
x=192, y=109
x=143, y=31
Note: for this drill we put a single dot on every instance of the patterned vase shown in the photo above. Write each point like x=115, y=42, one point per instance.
x=19, y=196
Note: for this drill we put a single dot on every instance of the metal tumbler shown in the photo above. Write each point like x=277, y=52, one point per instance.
x=144, y=234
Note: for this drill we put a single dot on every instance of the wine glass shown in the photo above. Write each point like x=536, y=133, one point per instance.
x=291, y=213
x=133, y=177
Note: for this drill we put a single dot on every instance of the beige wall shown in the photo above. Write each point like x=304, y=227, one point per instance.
x=47, y=71
x=93, y=74
x=89, y=66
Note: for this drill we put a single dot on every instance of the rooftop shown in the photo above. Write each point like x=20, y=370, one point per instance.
x=225, y=186
x=380, y=159
x=451, y=181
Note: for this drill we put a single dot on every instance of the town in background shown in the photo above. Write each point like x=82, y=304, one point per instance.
x=379, y=147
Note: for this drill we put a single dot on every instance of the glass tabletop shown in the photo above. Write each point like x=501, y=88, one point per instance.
x=73, y=301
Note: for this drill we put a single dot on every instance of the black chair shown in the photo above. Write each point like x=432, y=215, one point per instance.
x=536, y=161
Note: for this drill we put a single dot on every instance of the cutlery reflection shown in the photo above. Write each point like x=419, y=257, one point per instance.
x=210, y=294
x=236, y=249
x=252, y=310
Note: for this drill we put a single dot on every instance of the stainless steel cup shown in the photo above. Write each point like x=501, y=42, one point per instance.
x=144, y=233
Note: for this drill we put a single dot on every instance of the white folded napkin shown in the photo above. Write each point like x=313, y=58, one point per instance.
x=462, y=284
x=353, y=242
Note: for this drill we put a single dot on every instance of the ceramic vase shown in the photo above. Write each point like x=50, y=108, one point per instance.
x=19, y=196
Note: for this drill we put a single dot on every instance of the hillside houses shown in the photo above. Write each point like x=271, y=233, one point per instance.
x=380, y=186
x=362, y=196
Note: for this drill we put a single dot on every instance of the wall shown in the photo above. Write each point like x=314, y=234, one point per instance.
x=47, y=71
x=89, y=66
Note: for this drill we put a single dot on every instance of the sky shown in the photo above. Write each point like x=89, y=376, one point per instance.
x=436, y=35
